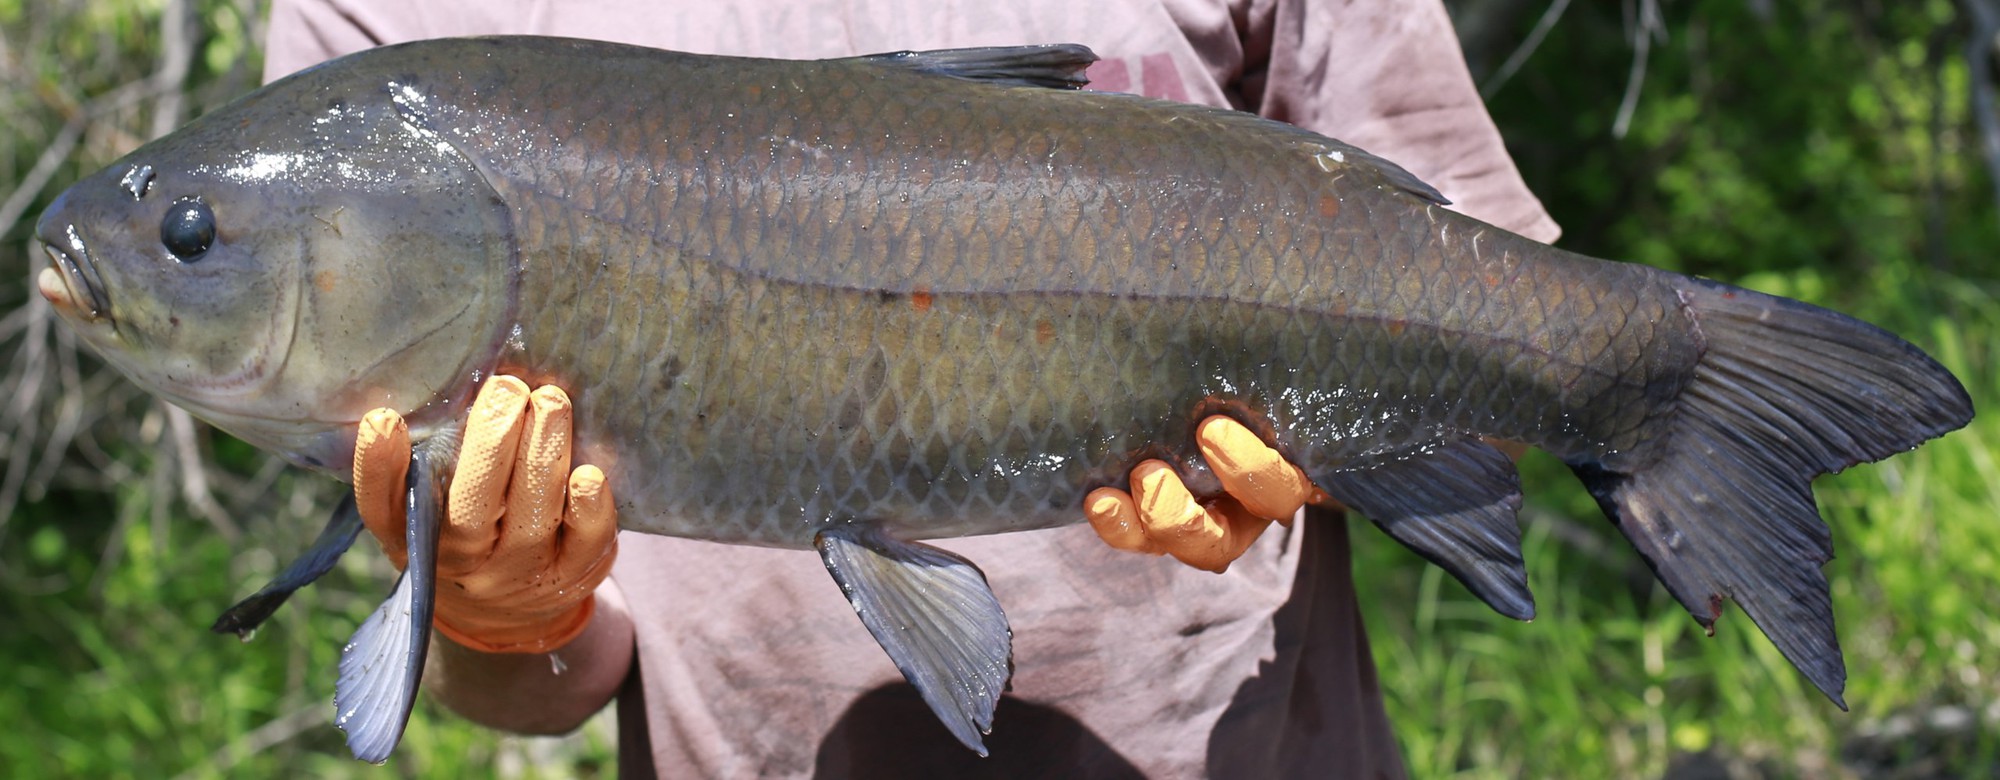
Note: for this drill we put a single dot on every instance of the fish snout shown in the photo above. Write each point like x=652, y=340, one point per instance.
x=69, y=281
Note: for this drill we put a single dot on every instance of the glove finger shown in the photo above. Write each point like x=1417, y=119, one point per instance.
x=1115, y=517
x=534, y=507
x=590, y=527
x=381, y=474
x=1241, y=528
x=1205, y=537
x=491, y=607
x=1173, y=520
x=479, y=488
x=594, y=572
x=1252, y=472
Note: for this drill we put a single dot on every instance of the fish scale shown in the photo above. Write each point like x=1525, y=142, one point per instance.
x=811, y=219
x=849, y=304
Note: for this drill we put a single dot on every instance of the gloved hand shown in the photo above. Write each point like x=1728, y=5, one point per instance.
x=1161, y=516
x=520, y=556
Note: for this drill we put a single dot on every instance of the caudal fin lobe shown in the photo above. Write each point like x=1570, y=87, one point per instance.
x=1784, y=392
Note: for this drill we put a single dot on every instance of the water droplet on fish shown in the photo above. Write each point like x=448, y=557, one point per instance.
x=556, y=665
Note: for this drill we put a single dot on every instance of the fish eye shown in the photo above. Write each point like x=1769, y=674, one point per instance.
x=188, y=230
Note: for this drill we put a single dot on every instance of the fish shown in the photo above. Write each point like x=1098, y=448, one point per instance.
x=853, y=304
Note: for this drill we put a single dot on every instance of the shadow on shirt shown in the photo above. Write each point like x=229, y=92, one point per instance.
x=888, y=732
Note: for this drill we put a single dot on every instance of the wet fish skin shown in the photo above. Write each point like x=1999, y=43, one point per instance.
x=992, y=335
x=850, y=303
x=999, y=296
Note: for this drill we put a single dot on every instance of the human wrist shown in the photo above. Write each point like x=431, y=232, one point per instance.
x=541, y=635
x=545, y=693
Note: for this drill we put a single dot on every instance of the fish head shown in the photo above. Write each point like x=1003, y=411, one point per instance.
x=286, y=263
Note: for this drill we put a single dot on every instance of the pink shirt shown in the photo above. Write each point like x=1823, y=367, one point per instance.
x=751, y=663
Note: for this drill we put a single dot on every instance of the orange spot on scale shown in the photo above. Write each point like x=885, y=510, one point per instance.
x=325, y=281
x=920, y=299
x=1329, y=206
x=1396, y=327
x=1045, y=331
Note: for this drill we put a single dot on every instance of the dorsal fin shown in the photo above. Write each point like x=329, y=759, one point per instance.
x=1340, y=153
x=1057, y=66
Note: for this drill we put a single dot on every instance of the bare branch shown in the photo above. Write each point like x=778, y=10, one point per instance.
x=262, y=738
x=1647, y=26
x=1525, y=50
x=59, y=148
x=23, y=389
x=38, y=176
x=1980, y=52
x=194, y=474
x=177, y=31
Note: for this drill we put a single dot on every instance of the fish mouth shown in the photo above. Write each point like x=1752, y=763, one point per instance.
x=70, y=272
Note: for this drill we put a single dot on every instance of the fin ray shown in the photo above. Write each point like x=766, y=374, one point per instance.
x=1456, y=506
x=1055, y=66
x=339, y=534
x=382, y=667
x=935, y=616
x=1784, y=391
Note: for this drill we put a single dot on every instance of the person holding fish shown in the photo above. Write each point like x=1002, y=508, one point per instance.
x=852, y=304
x=735, y=661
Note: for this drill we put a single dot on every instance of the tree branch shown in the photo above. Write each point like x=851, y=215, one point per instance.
x=1979, y=62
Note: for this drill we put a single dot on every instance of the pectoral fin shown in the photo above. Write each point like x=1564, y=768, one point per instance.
x=1455, y=506
x=934, y=614
x=318, y=559
x=381, y=667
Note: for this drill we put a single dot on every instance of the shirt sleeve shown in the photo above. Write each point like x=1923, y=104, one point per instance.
x=304, y=33
x=1388, y=77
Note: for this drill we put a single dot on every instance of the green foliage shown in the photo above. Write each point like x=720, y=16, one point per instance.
x=1818, y=149
x=1820, y=134
x=1613, y=678
x=108, y=579
x=1825, y=153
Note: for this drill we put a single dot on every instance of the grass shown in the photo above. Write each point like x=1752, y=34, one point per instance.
x=114, y=672
x=107, y=599
x=108, y=579
x=1613, y=679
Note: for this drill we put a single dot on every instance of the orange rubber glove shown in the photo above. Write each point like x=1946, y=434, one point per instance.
x=520, y=556
x=1161, y=516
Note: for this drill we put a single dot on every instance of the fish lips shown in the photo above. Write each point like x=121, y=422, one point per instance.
x=71, y=281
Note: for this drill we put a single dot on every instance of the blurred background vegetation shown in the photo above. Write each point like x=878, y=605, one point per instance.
x=1840, y=151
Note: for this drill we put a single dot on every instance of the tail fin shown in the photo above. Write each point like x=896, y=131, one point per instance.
x=1784, y=392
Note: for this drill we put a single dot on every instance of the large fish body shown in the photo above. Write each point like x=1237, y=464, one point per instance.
x=856, y=302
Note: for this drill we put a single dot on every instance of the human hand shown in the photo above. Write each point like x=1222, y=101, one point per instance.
x=1161, y=516
x=520, y=553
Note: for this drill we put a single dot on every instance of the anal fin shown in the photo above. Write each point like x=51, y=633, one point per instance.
x=318, y=559
x=935, y=616
x=1455, y=505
